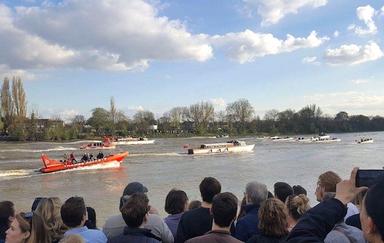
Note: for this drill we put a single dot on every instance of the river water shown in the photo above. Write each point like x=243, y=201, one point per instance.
x=165, y=165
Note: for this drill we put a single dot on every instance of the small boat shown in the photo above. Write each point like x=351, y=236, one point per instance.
x=222, y=136
x=132, y=141
x=233, y=146
x=365, y=140
x=324, y=139
x=281, y=139
x=51, y=165
x=106, y=144
x=303, y=140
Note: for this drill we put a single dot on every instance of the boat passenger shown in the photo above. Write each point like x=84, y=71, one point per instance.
x=100, y=155
x=72, y=158
x=90, y=157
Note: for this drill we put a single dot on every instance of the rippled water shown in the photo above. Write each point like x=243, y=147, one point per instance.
x=164, y=165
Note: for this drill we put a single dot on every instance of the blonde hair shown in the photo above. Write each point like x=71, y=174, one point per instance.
x=72, y=239
x=23, y=224
x=273, y=218
x=297, y=205
x=47, y=225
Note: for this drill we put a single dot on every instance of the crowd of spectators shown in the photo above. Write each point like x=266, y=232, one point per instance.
x=345, y=213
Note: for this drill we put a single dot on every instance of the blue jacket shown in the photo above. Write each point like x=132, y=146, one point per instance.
x=247, y=226
x=318, y=222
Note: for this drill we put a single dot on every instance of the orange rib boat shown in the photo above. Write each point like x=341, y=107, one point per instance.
x=51, y=165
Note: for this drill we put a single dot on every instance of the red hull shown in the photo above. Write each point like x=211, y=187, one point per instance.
x=51, y=165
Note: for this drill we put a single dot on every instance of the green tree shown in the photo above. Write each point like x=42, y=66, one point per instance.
x=142, y=120
x=100, y=120
x=7, y=105
x=201, y=114
x=113, y=113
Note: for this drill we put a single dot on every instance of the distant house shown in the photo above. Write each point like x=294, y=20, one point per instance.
x=153, y=127
x=42, y=124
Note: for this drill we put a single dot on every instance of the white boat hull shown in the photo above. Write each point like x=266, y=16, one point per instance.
x=232, y=149
x=327, y=140
x=98, y=147
x=364, y=142
x=134, y=142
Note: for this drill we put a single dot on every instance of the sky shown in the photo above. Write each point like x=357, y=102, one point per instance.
x=74, y=55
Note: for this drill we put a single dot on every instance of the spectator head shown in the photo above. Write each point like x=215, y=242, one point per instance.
x=209, y=187
x=131, y=188
x=273, y=218
x=224, y=209
x=73, y=212
x=36, y=203
x=7, y=212
x=372, y=213
x=19, y=230
x=297, y=206
x=297, y=190
x=135, y=209
x=176, y=202
x=47, y=225
x=282, y=190
x=194, y=204
x=326, y=183
x=91, y=221
x=255, y=193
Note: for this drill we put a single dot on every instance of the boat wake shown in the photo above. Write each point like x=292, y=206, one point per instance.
x=17, y=174
x=155, y=154
x=83, y=141
x=58, y=148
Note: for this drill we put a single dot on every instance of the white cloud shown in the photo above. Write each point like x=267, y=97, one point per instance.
x=248, y=45
x=353, y=54
x=104, y=34
x=5, y=71
x=365, y=14
x=272, y=11
x=336, y=34
x=360, y=81
x=218, y=103
x=310, y=60
x=351, y=101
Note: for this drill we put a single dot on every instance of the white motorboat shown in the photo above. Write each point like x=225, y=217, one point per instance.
x=132, y=141
x=303, y=140
x=281, y=139
x=365, y=140
x=324, y=139
x=233, y=146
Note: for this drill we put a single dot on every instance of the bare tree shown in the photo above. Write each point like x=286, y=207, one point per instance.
x=201, y=114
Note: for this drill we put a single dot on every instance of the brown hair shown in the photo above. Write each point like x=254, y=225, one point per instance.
x=297, y=205
x=328, y=180
x=23, y=223
x=273, y=218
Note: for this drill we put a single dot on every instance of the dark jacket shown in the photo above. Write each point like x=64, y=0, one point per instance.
x=318, y=222
x=137, y=235
x=193, y=223
x=215, y=236
x=266, y=239
x=354, y=221
x=247, y=226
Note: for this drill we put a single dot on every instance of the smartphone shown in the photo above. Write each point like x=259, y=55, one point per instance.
x=368, y=177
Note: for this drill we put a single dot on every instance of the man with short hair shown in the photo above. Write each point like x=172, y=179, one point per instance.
x=224, y=211
x=74, y=214
x=326, y=186
x=282, y=190
x=115, y=225
x=135, y=212
x=247, y=226
x=198, y=221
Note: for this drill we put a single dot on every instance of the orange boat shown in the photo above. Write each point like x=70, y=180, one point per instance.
x=51, y=165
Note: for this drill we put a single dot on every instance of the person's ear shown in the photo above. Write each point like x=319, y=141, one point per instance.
x=26, y=235
x=370, y=226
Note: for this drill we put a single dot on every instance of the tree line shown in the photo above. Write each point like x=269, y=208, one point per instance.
x=197, y=119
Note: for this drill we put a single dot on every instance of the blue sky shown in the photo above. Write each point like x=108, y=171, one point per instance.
x=74, y=55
